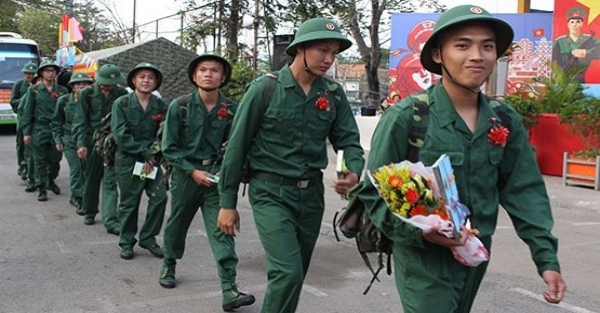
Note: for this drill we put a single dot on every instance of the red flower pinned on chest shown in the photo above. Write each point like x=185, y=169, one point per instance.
x=322, y=103
x=158, y=118
x=222, y=112
x=498, y=134
x=54, y=95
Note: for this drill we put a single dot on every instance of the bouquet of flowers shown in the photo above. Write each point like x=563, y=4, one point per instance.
x=414, y=194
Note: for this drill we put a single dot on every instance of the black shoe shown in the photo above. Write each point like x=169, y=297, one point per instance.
x=89, y=220
x=233, y=299
x=127, y=253
x=43, y=196
x=115, y=231
x=154, y=249
x=167, y=274
x=31, y=187
x=24, y=173
x=54, y=188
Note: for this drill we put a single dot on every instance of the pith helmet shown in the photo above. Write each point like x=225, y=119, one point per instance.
x=80, y=77
x=47, y=64
x=109, y=74
x=209, y=56
x=318, y=29
x=30, y=67
x=144, y=66
x=576, y=13
x=464, y=14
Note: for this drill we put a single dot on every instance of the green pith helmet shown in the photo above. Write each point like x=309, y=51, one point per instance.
x=459, y=15
x=576, y=13
x=30, y=67
x=79, y=77
x=318, y=29
x=208, y=56
x=144, y=66
x=47, y=64
x=109, y=74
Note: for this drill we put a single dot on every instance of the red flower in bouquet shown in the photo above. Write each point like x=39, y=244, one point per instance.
x=322, y=103
x=498, y=134
x=54, y=95
x=158, y=118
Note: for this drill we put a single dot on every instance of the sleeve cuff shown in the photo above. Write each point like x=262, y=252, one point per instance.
x=228, y=201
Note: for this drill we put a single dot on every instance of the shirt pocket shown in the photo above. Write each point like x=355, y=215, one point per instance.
x=280, y=121
x=496, y=155
x=428, y=157
x=323, y=123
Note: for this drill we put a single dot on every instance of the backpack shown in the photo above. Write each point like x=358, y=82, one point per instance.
x=353, y=220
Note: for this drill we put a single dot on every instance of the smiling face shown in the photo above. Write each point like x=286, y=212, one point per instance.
x=468, y=52
x=319, y=55
x=209, y=74
x=145, y=81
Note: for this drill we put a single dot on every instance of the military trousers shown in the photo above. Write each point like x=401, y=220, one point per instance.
x=21, y=162
x=131, y=188
x=30, y=163
x=288, y=221
x=47, y=162
x=431, y=280
x=75, y=170
x=186, y=198
x=96, y=174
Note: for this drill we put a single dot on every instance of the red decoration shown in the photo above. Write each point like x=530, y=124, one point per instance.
x=158, y=118
x=322, y=103
x=222, y=112
x=54, y=95
x=498, y=134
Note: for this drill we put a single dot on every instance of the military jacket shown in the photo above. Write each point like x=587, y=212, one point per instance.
x=38, y=111
x=62, y=122
x=288, y=135
x=486, y=174
x=193, y=137
x=564, y=45
x=92, y=107
x=133, y=128
x=18, y=91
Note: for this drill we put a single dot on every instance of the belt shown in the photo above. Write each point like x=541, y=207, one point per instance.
x=207, y=162
x=299, y=183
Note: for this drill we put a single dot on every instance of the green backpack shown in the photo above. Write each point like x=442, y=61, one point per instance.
x=353, y=221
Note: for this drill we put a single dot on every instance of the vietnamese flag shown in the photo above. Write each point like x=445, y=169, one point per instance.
x=538, y=32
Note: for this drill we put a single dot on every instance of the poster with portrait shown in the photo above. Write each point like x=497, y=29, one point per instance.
x=576, y=38
x=410, y=31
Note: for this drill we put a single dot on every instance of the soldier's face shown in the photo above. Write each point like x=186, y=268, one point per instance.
x=49, y=74
x=145, y=81
x=29, y=77
x=319, y=55
x=78, y=86
x=468, y=52
x=575, y=25
x=209, y=74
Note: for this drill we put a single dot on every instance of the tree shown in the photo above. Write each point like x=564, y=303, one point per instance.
x=42, y=27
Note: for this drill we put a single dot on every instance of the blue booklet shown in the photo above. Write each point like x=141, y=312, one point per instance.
x=444, y=175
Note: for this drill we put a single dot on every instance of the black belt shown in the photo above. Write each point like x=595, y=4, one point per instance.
x=299, y=183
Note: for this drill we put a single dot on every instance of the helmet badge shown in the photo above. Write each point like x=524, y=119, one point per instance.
x=476, y=10
x=330, y=26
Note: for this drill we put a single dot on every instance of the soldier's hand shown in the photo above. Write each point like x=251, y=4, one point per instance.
x=556, y=286
x=344, y=184
x=59, y=147
x=82, y=153
x=434, y=236
x=26, y=139
x=201, y=178
x=579, y=53
x=149, y=166
x=228, y=221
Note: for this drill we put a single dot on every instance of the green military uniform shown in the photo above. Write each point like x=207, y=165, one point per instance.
x=428, y=278
x=92, y=107
x=37, y=119
x=194, y=144
x=61, y=130
x=28, y=153
x=19, y=90
x=134, y=130
x=284, y=134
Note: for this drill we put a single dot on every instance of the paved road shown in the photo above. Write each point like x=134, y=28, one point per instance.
x=51, y=262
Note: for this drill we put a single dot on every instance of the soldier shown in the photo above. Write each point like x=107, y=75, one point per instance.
x=492, y=160
x=19, y=90
x=575, y=50
x=282, y=127
x=95, y=102
x=196, y=127
x=135, y=120
x=61, y=130
x=28, y=153
x=37, y=129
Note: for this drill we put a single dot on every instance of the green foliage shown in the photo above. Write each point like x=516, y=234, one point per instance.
x=42, y=27
x=562, y=88
x=582, y=117
x=242, y=74
x=527, y=106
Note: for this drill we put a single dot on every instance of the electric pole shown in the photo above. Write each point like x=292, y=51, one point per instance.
x=133, y=29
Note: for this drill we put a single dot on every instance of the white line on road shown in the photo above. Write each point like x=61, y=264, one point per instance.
x=586, y=224
x=40, y=218
x=564, y=305
x=316, y=292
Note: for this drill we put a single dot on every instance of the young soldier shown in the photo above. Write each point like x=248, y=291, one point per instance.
x=196, y=127
x=135, y=121
x=489, y=169
x=284, y=132
x=61, y=130
x=29, y=172
x=37, y=129
x=18, y=91
x=95, y=102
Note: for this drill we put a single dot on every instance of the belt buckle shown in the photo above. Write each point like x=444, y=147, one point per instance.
x=207, y=162
x=302, y=184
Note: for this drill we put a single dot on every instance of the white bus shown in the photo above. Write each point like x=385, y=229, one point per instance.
x=15, y=52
